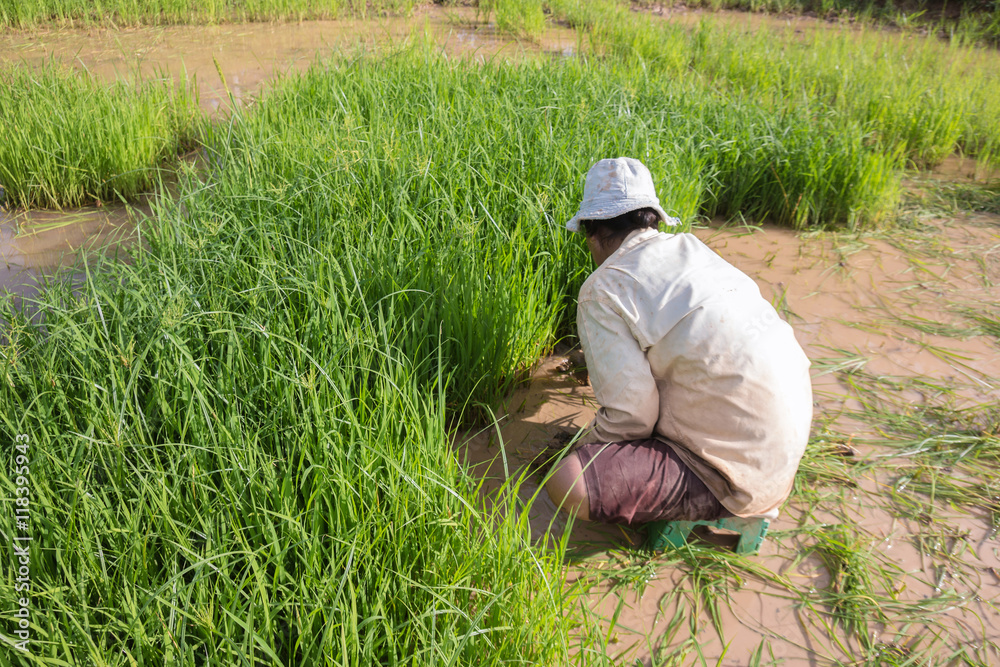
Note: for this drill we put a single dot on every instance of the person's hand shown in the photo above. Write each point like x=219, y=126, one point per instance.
x=553, y=450
x=561, y=439
x=576, y=364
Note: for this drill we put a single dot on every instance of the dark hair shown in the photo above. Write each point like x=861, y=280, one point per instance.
x=616, y=229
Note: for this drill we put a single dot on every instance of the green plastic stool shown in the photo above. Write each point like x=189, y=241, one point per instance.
x=752, y=530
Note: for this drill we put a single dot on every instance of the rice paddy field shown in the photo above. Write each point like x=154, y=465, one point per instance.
x=288, y=417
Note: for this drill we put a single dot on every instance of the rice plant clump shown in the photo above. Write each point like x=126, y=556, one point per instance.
x=521, y=18
x=70, y=139
x=244, y=434
x=919, y=98
x=26, y=14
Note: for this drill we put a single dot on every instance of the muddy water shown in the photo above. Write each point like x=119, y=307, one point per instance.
x=36, y=244
x=247, y=57
x=876, y=298
x=250, y=55
x=956, y=168
x=869, y=300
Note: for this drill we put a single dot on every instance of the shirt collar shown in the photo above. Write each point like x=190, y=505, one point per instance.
x=632, y=240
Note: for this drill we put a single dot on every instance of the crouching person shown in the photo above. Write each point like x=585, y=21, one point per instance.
x=704, y=393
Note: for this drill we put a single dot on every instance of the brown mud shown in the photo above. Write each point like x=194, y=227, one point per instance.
x=960, y=169
x=231, y=58
x=39, y=244
x=888, y=305
x=251, y=55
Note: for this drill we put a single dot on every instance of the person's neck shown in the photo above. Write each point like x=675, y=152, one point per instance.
x=602, y=251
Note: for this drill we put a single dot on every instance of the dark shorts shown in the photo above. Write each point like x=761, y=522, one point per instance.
x=639, y=481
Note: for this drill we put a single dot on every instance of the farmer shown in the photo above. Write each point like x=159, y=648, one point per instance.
x=704, y=393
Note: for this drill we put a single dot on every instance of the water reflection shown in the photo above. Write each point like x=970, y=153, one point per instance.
x=35, y=245
x=250, y=55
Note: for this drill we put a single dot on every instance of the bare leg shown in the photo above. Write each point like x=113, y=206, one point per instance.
x=568, y=488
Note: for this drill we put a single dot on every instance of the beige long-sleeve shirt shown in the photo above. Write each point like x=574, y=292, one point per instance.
x=680, y=345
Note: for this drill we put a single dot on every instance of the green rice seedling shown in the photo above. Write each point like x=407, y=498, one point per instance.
x=960, y=330
x=614, y=30
x=942, y=199
x=864, y=591
x=905, y=90
x=232, y=447
x=690, y=609
x=520, y=18
x=929, y=461
x=70, y=139
x=946, y=435
x=919, y=98
x=830, y=460
x=846, y=362
x=851, y=592
x=921, y=492
x=244, y=434
x=947, y=544
x=987, y=322
x=23, y=14
x=973, y=198
x=450, y=187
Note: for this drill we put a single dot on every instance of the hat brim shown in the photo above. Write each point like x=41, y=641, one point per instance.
x=573, y=224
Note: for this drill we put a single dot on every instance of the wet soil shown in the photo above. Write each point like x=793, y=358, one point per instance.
x=871, y=300
x=959, y=169
x=236, y=59
x=243, y=57
x=40, y=245
x=250, y=55
x=888, y=307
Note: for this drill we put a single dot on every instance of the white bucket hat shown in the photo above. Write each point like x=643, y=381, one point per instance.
x=616, y=186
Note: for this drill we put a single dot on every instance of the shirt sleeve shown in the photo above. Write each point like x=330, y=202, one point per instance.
x=620, y=374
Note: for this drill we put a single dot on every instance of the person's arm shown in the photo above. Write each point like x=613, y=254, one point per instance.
x=620, y=374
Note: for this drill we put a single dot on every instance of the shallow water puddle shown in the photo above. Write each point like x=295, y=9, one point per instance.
x=37, y=243
x=247, y=56
x=252, y=54
x=887, y=309
x=956, y=168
